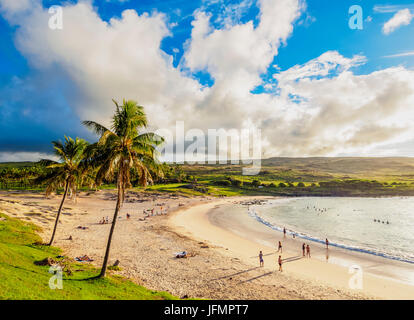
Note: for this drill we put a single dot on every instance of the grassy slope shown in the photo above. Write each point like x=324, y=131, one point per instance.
x=22, y=279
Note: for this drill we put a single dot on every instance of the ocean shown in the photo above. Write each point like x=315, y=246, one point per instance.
x=379, y=226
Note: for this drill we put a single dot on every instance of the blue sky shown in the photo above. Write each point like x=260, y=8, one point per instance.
x=42, y=102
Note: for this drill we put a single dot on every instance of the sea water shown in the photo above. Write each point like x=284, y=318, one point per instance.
x=379, y=226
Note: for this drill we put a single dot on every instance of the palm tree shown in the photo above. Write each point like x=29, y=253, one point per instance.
x=120, y=149
x=66, y=172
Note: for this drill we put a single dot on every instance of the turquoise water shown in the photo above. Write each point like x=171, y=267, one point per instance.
x=347, y=222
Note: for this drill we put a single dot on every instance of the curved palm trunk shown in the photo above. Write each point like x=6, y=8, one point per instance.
x=111, y=232
x=59, y=211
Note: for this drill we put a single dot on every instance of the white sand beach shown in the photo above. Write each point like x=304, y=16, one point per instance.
x=222, y=262
x=244, y=237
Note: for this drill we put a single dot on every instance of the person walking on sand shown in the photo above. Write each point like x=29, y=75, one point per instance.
x=280, y=263
x=327, y=243
x=308, y=251
x=303, y=249
x=279, y=249
x=261, y=258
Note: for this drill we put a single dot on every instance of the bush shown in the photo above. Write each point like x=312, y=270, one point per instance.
x=301, y=185
x=225, y=183
x=282, y=185
x=256, y=183
x=237, y=183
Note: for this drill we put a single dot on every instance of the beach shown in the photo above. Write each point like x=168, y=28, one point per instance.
x=222, y=250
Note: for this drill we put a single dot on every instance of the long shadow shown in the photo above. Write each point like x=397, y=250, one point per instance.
x=235, y=274
x=251, y=279
x=290, y=259
x=84, y=279
x=264, y=255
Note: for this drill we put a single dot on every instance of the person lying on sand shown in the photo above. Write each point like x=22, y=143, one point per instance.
x=83, y=258
x=182, y=254
x=82, y=228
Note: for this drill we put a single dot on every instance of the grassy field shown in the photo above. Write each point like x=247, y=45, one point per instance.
x=22, y=279
x=345, y=176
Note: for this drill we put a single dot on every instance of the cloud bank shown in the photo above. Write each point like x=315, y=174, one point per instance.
x=315, y=109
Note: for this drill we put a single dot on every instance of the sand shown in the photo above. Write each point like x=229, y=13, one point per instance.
x=223, y=264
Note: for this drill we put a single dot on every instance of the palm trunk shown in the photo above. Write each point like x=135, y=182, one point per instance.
x=59, y=211
x=108, y=246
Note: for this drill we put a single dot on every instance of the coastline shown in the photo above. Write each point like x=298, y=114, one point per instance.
x=244, y=237
x=146, y=248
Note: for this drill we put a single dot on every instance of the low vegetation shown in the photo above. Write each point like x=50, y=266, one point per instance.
x=22, y=279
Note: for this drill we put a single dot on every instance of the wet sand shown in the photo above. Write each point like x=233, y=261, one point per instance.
x=245, y=236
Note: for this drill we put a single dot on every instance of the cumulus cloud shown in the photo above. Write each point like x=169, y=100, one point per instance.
x=318, y=108
x=401, y=18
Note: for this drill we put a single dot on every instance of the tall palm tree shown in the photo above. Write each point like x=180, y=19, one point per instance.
x=66, y=172
x=122, y=147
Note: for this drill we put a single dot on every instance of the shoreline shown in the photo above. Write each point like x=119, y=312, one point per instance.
x=146, y=247
x=244, y=237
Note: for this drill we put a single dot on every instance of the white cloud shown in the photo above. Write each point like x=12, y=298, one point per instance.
x=323, y=108
x=401, y=18
x=402, y=54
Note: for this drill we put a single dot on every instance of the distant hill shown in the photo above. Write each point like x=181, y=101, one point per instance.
x=17, y=164
x=367, y=166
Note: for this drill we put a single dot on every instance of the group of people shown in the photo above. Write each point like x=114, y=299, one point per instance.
x=379, y=221
x=106, y=220
x=306, y=252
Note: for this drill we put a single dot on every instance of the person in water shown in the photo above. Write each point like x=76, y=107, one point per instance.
x=279, y=249
x=284, y=232
x=327, y=243
x=280, y=263
x=261, y=259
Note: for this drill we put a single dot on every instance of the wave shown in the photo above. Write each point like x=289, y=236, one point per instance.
x=302, y=235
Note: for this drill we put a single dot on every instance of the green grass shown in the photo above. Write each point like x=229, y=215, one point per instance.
x=21, y=279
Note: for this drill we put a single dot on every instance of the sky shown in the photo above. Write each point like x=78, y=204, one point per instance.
x=298, y=71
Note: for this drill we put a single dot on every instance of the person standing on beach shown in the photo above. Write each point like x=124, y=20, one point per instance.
x=261, y=259
x=303, y=249
x=284, y=232
x=279, y=249
x=280, y=263
x=308, y=251
x=327, y=243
